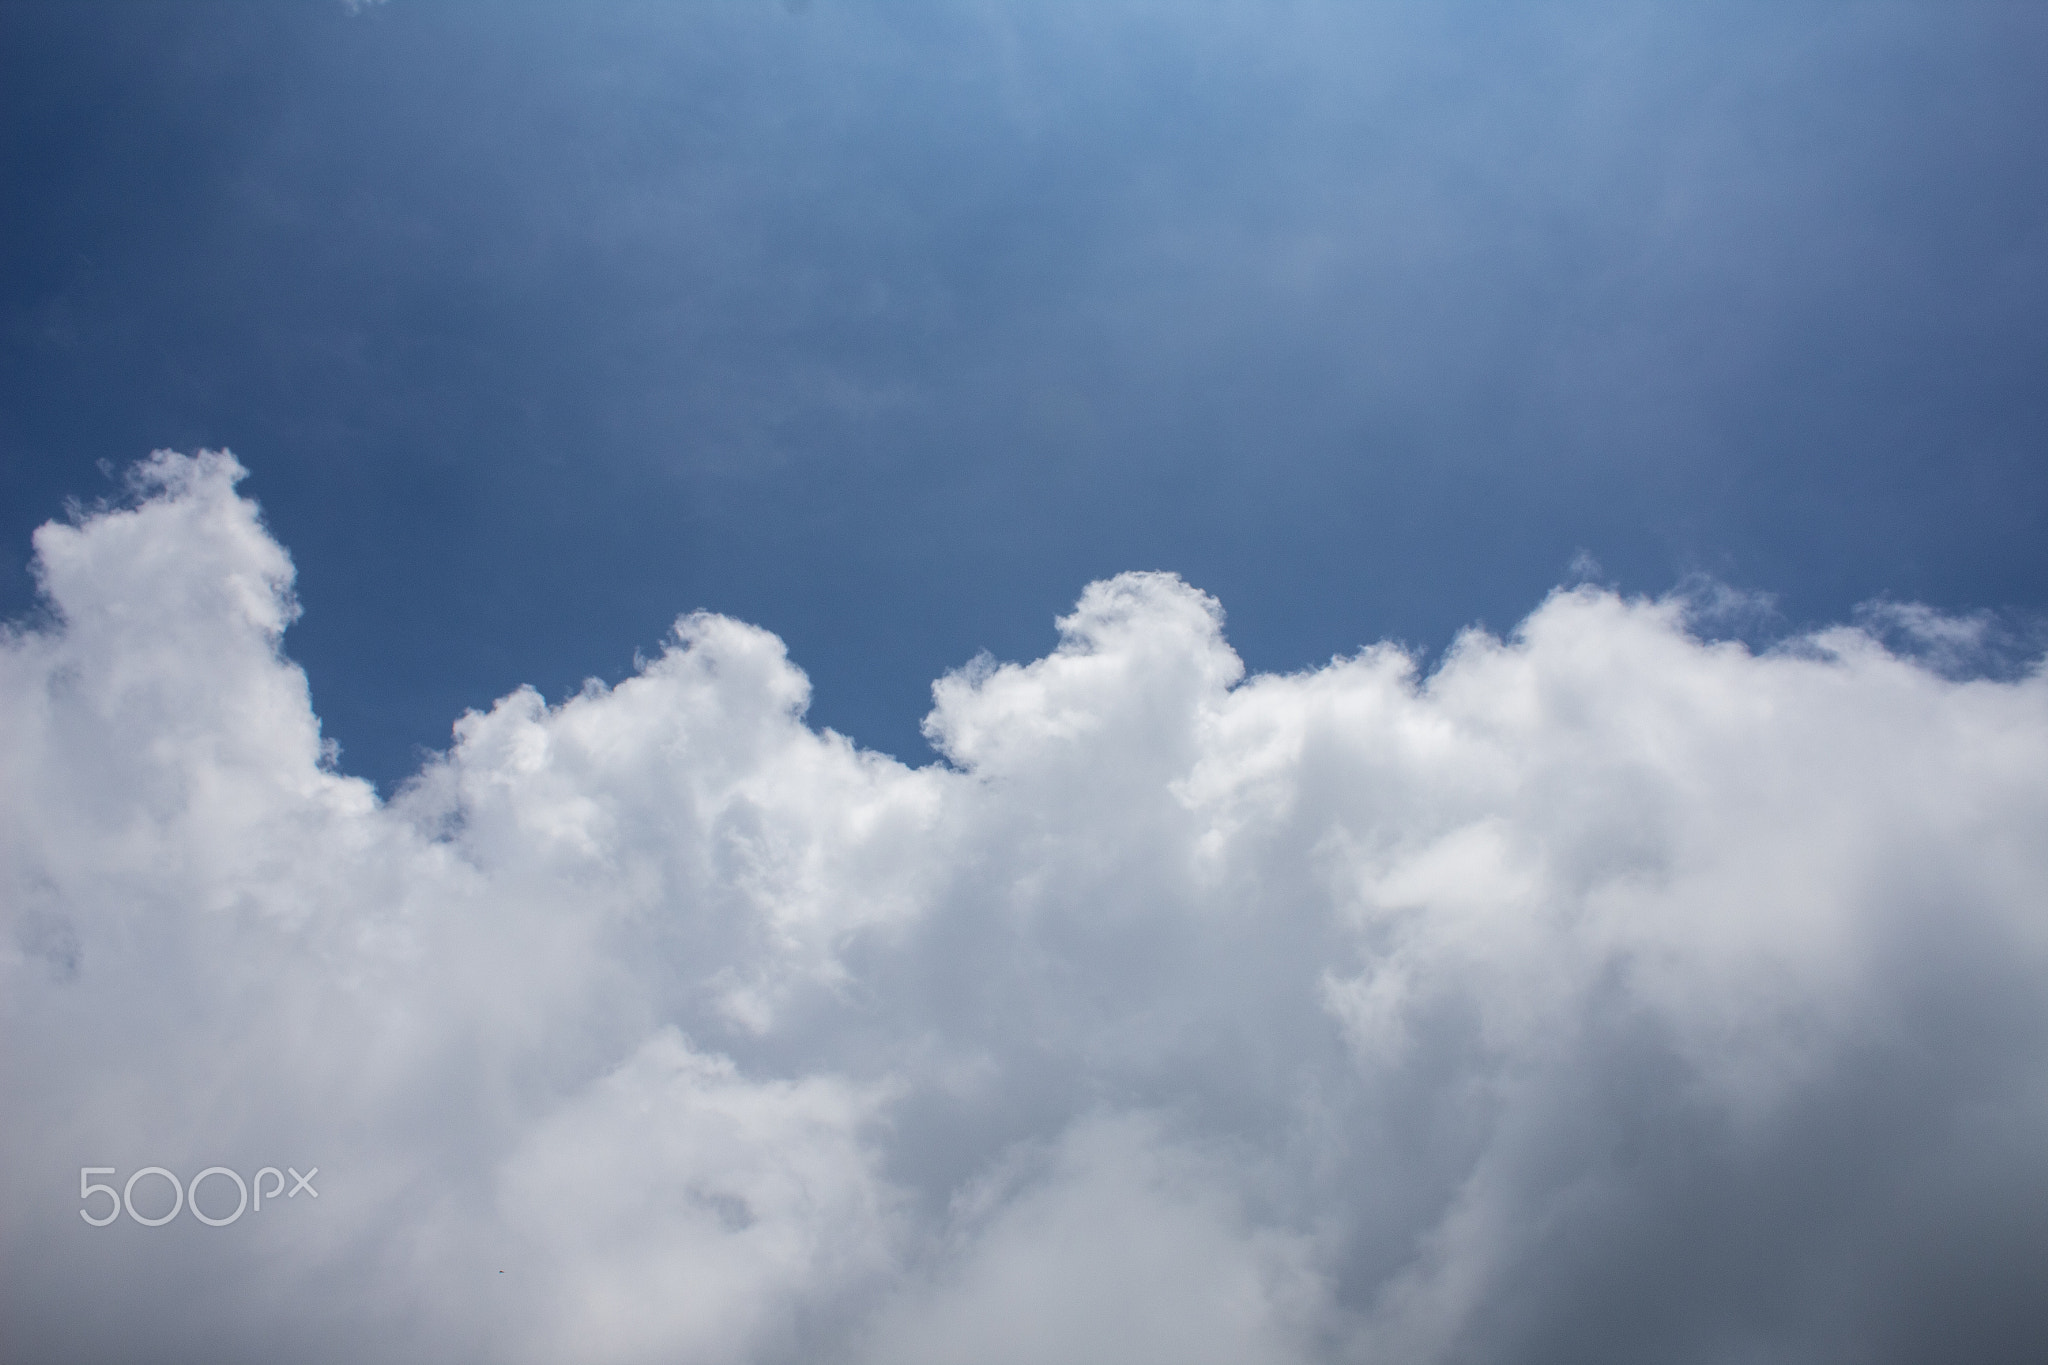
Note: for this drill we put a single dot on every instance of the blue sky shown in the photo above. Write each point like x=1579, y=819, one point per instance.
x=889, y=326
x=1120, y=413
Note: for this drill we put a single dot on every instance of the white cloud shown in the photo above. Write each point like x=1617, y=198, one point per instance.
x=1123, y=1248
x=1607, y=993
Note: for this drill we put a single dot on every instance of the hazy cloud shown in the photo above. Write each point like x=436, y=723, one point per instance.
x=1606, y=994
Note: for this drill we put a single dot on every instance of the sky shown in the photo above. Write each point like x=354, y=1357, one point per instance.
x=888, y=327
x=910, y=683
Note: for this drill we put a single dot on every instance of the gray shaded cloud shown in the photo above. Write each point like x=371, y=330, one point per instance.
x=1606, y=994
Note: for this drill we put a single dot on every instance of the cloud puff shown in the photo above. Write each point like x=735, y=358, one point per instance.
x=1605, y=994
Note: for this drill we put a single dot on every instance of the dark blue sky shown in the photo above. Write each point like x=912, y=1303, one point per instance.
x=889, y=326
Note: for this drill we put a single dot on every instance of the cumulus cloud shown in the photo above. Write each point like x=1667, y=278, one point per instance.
x=1608, y=993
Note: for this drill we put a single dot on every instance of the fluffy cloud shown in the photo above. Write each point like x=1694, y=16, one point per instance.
x=1606, y=994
